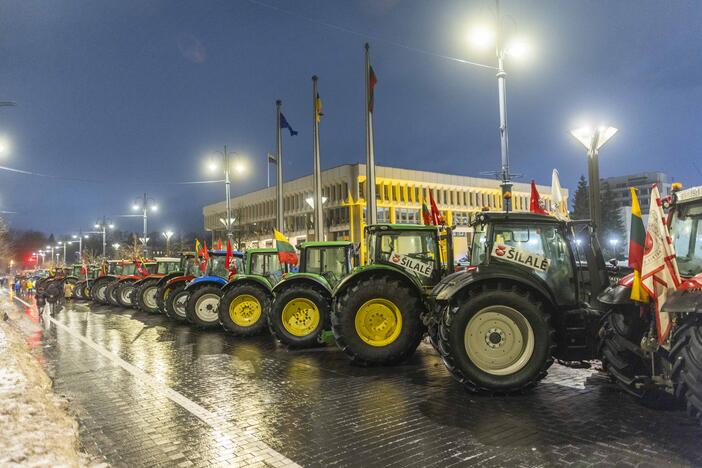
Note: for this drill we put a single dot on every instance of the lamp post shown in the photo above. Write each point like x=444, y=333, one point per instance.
x=102, y=226
x=593, y=140
x=50, y=249
x=116, y=247
x=145, y=204
x=79, y=238
x=168, y=235
x=484, y=37
x=63, y=243
x=239, y=168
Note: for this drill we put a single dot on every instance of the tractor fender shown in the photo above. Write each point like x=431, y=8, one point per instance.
x=309, y=279
x=148, y=279
x=178, y=279
x=683, y=301
x=162, y=281
x=206, y=280
x=256, y=280
x=616, y=295
x=71, y=277
x=456, y=283
x=128, y=279
x=367, y=271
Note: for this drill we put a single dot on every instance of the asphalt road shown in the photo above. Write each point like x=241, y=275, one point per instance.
x=150, y=392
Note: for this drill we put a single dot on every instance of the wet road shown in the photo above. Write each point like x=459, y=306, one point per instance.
x=151, y=392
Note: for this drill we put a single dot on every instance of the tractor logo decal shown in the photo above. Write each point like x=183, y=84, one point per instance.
x=521, y=257
x=409, y=263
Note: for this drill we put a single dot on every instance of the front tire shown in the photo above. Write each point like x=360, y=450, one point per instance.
x=110, y=294
x=687, y=365
x=497, y=341
x=377, y=321
x=176, y=302
x=98, y=291
x=244, y=308
x=202, y=306
x=123, y=294
x=299, y=315
x=146, y=297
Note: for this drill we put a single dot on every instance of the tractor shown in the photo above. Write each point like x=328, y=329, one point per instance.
x=631, y=352
x=301, y=311
x=144, y=290
x=71, y=279
x=172, y=293
x=120, y=292
x=82, y=286
x=529, y=296
x=204, y=292
x=377, y=308
x=115, y=268
x=246, y=299
x=188, y=264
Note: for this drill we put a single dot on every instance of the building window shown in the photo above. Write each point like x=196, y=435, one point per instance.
x=407, y=216
x=383, y=215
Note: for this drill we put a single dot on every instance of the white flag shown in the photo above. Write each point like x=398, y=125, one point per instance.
x=659, y=272
x=557, y=194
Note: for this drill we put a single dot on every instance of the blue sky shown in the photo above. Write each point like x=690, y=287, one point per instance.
x=133, y=94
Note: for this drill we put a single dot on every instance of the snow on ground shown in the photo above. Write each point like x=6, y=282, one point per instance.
x=35, y=425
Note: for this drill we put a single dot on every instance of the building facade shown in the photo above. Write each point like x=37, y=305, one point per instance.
x=642, y=182
x=399, y=194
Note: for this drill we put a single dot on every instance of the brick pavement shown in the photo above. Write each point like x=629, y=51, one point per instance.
x=317, y=410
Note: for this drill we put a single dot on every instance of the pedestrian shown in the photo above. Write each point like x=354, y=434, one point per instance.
x=17, y=286
x=30, y=287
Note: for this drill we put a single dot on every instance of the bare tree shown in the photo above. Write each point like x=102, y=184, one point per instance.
x=5, y=249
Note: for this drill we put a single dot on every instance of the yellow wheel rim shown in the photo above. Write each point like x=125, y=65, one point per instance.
x=245, y=310
x=300, y=317
x=378, y=322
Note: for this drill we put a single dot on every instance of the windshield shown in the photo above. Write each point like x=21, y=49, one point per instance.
x=192, y=268
x=419, y=246
x=324, y=259
x=217, y=266
x=167, y=267
x=265, y=264
x=686, y=230
x=115, y=269
x=128, y=269
x=478, y=246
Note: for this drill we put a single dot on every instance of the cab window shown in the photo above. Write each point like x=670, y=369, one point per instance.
x=265, y=264
x=418, y=245
x=320, y=260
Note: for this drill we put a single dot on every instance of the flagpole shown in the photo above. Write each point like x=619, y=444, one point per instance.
x=317, y=172
x=371, y=212
x=279, y=168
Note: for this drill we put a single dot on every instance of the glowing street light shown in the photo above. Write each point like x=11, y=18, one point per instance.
x=102, y=226
x=167, y=235
x=240, y=168
x=593, y=139
x=483, y=37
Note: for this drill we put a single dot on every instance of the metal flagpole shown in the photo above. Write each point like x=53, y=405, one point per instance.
x=227, y=193
x=279, y=168
x=371, y=215
x=317, y=172
x=502, y=96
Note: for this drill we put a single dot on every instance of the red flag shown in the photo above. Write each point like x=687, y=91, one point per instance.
x=205, y=257
x=219, y=244
x=426, y=214
x=535, y=200
x=435, y=213
x=228, y=258
x=84, y=267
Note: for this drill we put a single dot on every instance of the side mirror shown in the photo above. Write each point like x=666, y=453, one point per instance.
x=613, y=261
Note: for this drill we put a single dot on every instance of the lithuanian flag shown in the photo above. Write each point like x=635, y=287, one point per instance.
x=286, y=252
x=426, y=214
x=637, y=238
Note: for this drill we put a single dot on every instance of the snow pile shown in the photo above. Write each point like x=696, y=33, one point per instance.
x=36, y=429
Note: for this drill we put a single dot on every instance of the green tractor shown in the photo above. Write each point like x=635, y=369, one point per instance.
x=301, y=311
x=247, y=297
x=529, y=296
x=377, y=309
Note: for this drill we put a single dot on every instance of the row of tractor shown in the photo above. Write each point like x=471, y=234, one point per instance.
x=537, y=289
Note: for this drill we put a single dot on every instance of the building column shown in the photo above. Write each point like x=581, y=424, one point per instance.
x=393, y=219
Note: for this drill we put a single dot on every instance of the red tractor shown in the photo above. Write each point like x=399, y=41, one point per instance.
x=629, y=344
x=119, y=293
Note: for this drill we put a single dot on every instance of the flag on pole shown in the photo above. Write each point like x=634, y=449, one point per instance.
x=219, y=244
x=372, y=81
x=228, y=258
x=535, y=200
x=284, y=124
x=426, y=214
x=637, y=237
x=556, y=191
x=659, y=270
x=436, y=216
x=286, y=252
x=205, y=257
x=83, y=267
x=318, y=108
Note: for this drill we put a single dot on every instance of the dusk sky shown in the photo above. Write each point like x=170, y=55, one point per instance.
x=130, y=96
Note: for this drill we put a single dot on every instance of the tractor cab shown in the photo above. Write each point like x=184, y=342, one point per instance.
x=686, y=230
x=332, y=260
x=167, y=265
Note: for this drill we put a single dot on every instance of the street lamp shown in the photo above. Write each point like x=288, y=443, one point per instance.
x=116, y=247
x=167, y=235
x=239, y=167
x=103, y=226
x=62, y=243
x=483, y=37
x=145, y=204
x=593, y=139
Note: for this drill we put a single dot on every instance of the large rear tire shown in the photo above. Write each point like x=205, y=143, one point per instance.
x=376, y=320
x=145, y=296
x=110, y=294
x=123, y=294
x=687, y=365
x=244, y=308
x=202, y=307
x=98, y=290
x=78, y=291
x=176, y=302
x=299, y=315
x=497, y=341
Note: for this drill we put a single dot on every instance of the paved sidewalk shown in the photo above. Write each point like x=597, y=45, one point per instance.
x=150, y=392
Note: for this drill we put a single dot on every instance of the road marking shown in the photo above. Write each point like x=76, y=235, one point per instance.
x=241, y=439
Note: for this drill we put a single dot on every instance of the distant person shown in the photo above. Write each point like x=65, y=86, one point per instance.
x=17, y=287
x=30, y=287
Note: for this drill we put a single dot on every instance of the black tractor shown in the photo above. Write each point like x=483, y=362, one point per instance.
x=651, y=369
x=529, y=296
